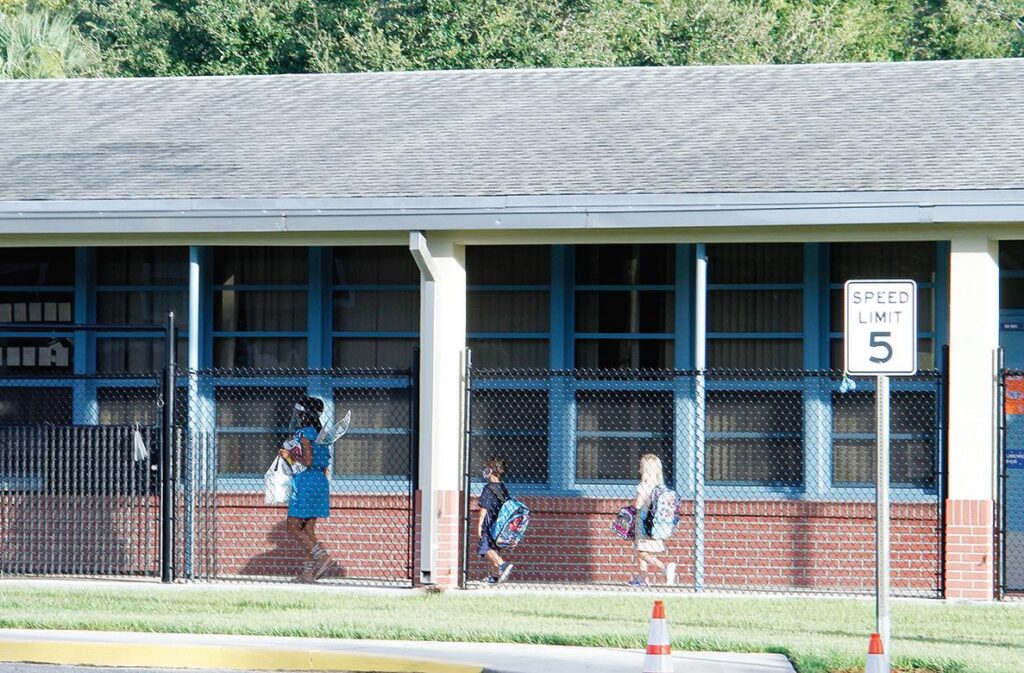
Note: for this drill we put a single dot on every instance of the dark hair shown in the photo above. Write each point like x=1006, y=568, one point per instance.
x=313, y=408
x=497, y=465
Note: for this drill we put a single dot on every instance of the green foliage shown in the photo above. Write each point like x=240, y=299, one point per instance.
x=37, y=44
x=199, y=37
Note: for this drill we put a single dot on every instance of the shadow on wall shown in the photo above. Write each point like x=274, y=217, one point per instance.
x=282, y=557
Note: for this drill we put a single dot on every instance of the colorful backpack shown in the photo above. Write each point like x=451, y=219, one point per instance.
x=663, y=515
x=510, y=525
x=624, y=524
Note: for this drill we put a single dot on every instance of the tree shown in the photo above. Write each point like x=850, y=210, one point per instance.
x=35, y=43
x=198, y=37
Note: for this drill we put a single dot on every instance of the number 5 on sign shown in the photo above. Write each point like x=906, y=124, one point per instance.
x=881, y=328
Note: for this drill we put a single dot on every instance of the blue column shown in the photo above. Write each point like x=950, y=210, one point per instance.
x=817, y=390
x=684, y=307
x=85, y=409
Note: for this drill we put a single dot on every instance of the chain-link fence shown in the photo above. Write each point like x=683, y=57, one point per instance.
x=353, y=499
x=1010, y=501
x=79, y=483
x=773, y=474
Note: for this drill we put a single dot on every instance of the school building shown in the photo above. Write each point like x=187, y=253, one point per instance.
x=635, y=259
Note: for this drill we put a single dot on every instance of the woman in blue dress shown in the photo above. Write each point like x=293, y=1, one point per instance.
x=310, y=498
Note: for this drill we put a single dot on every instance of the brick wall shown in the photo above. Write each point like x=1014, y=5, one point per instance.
x=366, y=535
x=780, y=545
x=969, y=549
x=61, y=534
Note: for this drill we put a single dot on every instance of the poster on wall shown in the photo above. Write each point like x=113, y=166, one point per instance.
x=1014, y=408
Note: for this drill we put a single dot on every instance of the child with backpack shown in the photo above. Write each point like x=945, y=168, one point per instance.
x=648, y=542
x=493, y=496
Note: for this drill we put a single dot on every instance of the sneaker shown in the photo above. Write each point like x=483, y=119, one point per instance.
x=638, y=582
x=491, y=579
x=504, y=570
x=670, y=574
x=322, y=565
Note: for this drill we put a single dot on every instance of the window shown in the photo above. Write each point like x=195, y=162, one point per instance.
x=37, y=285
x=21, y=405
x=755, y=306
x=858, y=261
x=614, y=428
x=259, y=307
x=625, y=306
x=376, y=306
x=139, y=286
x=913, y=419
x=755, y=437
x=378, y=443
x=251, y=423
x=508, y=306
x=140, y=403
x=1011, y=272
x=512, y=424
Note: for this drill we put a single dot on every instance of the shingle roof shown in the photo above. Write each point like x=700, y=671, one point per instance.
x=803, y=128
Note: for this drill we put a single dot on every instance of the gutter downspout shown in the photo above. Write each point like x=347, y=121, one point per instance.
x=428, y=367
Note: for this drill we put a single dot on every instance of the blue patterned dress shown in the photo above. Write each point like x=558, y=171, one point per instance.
x=311, y=492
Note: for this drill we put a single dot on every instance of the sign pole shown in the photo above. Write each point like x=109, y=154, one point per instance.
x=882, y=615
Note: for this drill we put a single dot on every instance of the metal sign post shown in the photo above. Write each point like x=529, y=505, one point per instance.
x=880, y=340
x=882, y=621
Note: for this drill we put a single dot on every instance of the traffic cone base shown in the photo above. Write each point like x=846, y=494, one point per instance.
x=658, y=658
x=877, y=661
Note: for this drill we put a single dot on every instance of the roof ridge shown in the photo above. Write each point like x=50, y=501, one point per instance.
x=484, y=72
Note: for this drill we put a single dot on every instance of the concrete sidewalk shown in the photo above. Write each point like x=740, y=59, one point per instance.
x=149, y=650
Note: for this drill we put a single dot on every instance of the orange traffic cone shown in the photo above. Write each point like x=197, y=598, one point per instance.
x=659, y=652
x=877, y=661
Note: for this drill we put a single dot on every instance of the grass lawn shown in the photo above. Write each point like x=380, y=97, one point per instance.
x=818, y=635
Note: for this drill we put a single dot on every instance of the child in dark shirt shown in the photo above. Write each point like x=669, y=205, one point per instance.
x=494, y=494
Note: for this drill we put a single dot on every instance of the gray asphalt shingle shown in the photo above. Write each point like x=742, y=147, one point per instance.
x=849, y=127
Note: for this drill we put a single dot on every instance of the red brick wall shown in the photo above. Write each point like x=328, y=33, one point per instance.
x=969, y=549
x=780, y=545
x=366, y=535
x=79, y=534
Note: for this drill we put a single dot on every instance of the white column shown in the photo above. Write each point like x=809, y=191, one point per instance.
x=973, y=341
x=442, y=345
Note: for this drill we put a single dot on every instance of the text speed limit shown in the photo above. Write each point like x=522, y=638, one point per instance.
x=881, y=327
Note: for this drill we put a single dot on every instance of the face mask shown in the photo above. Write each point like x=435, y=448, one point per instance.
x=487, y=472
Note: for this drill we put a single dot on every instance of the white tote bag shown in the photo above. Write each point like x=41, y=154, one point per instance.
x=277, y=482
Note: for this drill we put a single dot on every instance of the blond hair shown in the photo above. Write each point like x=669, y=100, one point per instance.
x=651, y=473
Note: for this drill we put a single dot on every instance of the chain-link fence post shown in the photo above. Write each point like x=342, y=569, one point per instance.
x=167, y=459
x=699, y=466
x=1000, y=542
x=466, y=464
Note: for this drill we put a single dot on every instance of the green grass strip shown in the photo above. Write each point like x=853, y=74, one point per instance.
x=818, y=635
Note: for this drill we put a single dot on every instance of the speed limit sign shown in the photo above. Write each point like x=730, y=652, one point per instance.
x=881, y=327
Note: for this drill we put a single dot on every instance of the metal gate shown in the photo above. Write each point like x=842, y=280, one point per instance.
x=231, y=423
x=1010, y=541
x=80, y=485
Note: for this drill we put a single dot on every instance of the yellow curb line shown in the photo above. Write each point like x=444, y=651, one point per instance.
x=86, y=653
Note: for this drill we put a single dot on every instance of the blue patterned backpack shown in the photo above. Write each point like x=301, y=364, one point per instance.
x=510, y=525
